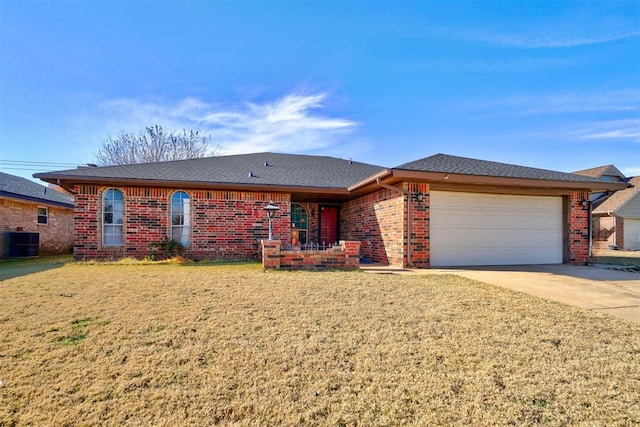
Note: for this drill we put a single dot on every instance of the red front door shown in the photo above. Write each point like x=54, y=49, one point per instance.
x=328, y=225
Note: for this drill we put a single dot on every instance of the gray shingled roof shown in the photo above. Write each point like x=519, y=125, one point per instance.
x=619, y=198
x=462, y=165
x=283, y=169
x=22, y=188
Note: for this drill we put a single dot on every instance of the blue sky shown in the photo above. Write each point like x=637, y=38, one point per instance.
x=554, y=85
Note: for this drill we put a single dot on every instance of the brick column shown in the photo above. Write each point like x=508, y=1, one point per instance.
x=271, y=253
x=351, y=254
x=417, y=216
x=578, y=229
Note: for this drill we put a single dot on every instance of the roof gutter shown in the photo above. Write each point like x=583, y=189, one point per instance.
x=374, y=179
x=33, y=199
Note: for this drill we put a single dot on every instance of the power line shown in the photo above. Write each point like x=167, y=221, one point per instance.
x=34, y=163
x=34, y=169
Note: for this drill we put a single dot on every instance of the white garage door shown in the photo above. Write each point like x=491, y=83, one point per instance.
x=494, y=229
x=632, y=233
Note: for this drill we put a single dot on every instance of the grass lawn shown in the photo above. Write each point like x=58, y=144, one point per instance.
x=628, y=258
x=171, y=345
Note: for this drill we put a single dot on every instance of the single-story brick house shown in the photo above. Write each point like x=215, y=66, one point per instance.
x=438, y=211
x=615, y=214
x=28, y=208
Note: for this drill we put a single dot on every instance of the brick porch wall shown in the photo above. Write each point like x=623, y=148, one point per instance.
x=376, y=221
x=224, y=224
x=56, y=237
x=345, y=256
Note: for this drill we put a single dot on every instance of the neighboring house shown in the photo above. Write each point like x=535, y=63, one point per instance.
x=605, y=173
x=28, y=207
x=438, y=211
x=615, y=215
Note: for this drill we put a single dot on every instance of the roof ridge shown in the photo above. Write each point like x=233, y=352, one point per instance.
x=448, y=163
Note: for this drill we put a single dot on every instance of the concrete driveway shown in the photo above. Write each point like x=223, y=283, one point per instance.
x=601, y=289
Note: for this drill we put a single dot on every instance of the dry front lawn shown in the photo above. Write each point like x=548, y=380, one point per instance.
x=169, y=345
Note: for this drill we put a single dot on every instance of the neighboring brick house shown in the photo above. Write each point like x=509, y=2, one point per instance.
x=615, y=214
x=438, y=211
x=28, y=207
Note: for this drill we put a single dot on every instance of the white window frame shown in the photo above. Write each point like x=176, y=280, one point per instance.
x=110, y=234
x=45, y=216
x=180, y=218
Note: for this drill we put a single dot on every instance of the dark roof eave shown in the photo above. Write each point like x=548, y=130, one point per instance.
x=35, y=199
x=67, y=181
x=397, y=175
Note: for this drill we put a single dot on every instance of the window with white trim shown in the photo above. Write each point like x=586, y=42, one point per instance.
x=112, y=217
x=180, y=217
x=43, y=216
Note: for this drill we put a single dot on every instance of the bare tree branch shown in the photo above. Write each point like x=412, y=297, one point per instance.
x=155, y=144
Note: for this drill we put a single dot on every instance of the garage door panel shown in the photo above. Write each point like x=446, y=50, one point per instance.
x=489, y=229
x=632, y=233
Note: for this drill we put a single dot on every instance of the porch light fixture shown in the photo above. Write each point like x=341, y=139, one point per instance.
x=417, y=197
x=584, y=202
x=271, y=211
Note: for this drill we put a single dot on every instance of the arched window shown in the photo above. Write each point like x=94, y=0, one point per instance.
x=112, y=217
x=180, y=217
x=299, y=224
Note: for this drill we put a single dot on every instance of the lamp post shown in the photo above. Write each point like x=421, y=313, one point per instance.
x=271, y=211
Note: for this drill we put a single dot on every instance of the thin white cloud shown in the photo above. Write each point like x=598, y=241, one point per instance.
x=293, y=123
x=624, y=100
x=614, y=130
x=534, y=41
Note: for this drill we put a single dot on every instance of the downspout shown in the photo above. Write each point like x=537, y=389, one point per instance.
x=590, y=230
x=408, y=194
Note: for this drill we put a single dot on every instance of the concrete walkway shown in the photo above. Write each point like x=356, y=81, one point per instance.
x=601, y=289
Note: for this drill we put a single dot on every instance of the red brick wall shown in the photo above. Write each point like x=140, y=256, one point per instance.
x=379, y=221
x=578, y=229
x=376, y=220
x=230, y=225
x=56, y=237
x=224, y=224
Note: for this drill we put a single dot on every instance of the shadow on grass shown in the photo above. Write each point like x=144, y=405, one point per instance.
x=21, y=267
